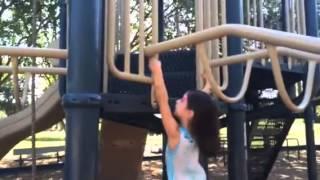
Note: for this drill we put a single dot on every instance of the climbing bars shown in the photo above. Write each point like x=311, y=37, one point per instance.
x=277, y=42
x=110, y=40
x=211, y=14
x=297, y=43
x=15, y=52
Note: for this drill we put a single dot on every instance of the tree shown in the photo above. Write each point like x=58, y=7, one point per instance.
x=15, y=30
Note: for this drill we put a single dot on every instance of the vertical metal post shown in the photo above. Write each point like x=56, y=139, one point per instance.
x=62, y=43
x=84, y=83
x=161, y=21
x=312, y=28
x=237, y=150
x=161, y=38
x=311, y=148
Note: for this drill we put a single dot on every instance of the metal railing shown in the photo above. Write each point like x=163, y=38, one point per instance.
x=272, y=38
x=110, y=28
x=212, y=14
x=294, y=18
x=15, y=52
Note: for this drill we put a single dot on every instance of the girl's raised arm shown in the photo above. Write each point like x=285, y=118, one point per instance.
x=170, y=124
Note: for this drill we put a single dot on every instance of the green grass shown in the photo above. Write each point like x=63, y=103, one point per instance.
x=298, y=131
x=43, y=139
x=56, y=138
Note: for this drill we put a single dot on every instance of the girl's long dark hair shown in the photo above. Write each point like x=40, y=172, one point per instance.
x=205, y=125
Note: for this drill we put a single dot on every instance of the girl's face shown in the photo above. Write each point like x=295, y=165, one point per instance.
x=182, y=111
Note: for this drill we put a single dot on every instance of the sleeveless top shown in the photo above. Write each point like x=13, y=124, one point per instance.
x=183, y=161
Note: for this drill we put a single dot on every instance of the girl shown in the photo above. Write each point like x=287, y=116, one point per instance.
x=197, y=128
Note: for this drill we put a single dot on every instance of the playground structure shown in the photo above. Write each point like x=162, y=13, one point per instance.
x=120, y=91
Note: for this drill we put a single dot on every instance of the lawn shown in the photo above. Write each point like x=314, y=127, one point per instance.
x=56, y=138
x=43, y=139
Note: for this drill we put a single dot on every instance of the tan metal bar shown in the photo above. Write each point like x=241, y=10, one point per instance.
x=248, y=12
x=269, y=36
x=215, y=43
x=261, y=24
x=225, y=74
x=258, y=54
x=303, y=17
x=155, y=20
x=14, y=63
x=141, y=37
x=298, y=14
x=215, y=87
x=126, y=36
x=199, y=27
x=27, y=77
x=110, y=31
x=35, y=70
x=255, y=14
x=289, y=18
x=281, y=87
x=34, y=52
x=208, y=16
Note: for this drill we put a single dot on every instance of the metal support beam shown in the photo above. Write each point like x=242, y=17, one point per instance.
x=311, y=148
x=62, y=43
x=84, y=77
x=237, y=152
x=312, y=28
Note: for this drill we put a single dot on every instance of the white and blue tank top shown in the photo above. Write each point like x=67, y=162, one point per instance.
x=183, y=161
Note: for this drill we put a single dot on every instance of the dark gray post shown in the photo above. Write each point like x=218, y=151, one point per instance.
x=237, y=148
x=312, y=28
x=83, y=86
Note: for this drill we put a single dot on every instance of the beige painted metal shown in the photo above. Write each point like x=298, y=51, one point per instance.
x=289, y=20
x=14, y=63
x=248, y=12
x=215, y=87
x=35, y=70
x=155, y=20
x=281, y=86
x=298, y=12
x=255, y=14
x=27, y=77
x=110, y=32
x=279, y=38
x=225, y=73
x=261, y=24
x=141, y=37
x=263, y=53
x=302, y=17
x=297, y=43
x=199, y=27
x=33, y=52
x=126, y=35
x=15, y=52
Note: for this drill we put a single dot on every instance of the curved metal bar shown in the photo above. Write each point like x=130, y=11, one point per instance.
x=214, y=85
x=110, y=14
x=263, y=53
x=279, y=38
x=280, y=83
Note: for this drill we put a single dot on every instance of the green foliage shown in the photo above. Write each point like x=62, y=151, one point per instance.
x=16, y=30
